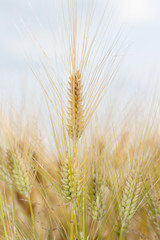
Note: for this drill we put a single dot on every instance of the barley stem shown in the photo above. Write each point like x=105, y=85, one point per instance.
x=14, y=210
x=76, y=225
x=72, y=224
x=2, y=217
x=85, y=217
x=121, y=233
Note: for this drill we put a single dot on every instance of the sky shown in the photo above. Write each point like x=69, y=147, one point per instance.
x=139, y=72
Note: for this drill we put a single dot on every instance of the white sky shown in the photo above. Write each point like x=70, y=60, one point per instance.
x=140, y=69
x=138, y=11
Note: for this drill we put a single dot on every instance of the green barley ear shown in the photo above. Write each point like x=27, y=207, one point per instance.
x=75, y=109
x=154, y=209
x=130, y=200
x=155, y=213
x=70, y=180
x=18, y=172
x=96, y=205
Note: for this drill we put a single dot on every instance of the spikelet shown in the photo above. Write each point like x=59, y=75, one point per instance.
x=75, y=109
x=18, y=172
x=96, y=205
x=130, y=200
x=70, y=180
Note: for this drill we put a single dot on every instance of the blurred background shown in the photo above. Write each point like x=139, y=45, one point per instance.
x=139, y=71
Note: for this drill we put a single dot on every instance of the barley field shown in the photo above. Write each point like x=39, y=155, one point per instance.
x=79, y=168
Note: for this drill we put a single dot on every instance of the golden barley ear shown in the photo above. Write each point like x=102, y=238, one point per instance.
x=9, y=163
x=75, y=110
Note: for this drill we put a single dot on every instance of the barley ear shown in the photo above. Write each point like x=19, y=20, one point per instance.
x=154, y=210
x=70, y=180
x=96, y=204
x=75, y=119
x=130, y=200
x=18, y=172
